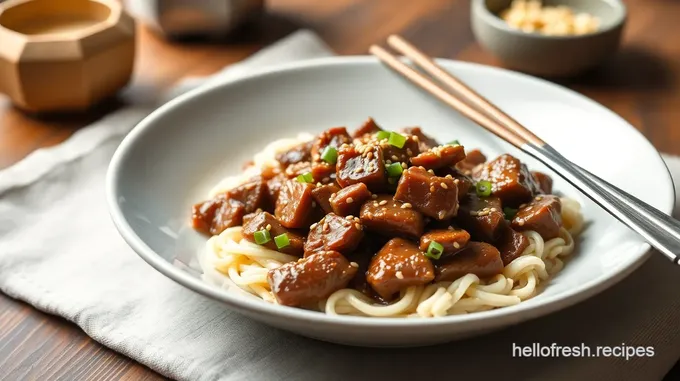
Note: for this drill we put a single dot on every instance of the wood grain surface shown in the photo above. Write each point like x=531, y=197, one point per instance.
x=640, y=84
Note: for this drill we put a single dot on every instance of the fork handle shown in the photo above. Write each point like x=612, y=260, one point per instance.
x=657, y=228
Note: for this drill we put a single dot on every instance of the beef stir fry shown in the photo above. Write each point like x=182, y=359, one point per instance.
x=380, y=211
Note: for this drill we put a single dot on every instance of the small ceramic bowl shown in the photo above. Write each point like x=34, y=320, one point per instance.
x=64, y=55
x=549, y=56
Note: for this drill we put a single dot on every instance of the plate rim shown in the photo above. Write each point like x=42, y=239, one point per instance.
x=515, y=314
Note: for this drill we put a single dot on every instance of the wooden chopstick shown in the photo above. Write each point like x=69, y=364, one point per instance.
x=428, y=85
x=428, y=64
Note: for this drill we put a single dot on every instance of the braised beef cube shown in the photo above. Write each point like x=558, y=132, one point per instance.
x=274, y=186
x=368, y=127
x=299, y=153
x=216, y=215
x=269, y=173
x=391, y=217
x=439, y=157
x=322, y=195
x=333, y=232
x=294, y=205
x=482, y=217
x=323, y=172
x=434, y=196
x=425, y=142
x=361, y=164
x=349, y=200
x=310, y=279
x=249, y=217
x=463, y=182
x=297, y=169
x=471, y=161
x=543, y=215
x=398, y=265
x=333, y=137
x=394, y=154
x=479, y=258
x=452, y=240
x=511, y=245
x=265, y=221
x=510, y=180
x=544, y=181
x=253, y=194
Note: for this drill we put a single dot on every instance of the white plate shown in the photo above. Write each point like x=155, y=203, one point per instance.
x=174, y=156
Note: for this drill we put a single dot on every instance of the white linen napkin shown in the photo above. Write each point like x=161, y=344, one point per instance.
x=60, y=252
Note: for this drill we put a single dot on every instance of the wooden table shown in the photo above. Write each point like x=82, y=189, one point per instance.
x=641, y=84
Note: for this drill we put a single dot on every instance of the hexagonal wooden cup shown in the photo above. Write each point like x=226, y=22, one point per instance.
x=64, y=55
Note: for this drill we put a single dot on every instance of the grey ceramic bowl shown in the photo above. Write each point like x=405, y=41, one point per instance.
x=550, y=56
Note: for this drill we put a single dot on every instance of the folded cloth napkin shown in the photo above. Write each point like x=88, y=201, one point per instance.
x=60, y=252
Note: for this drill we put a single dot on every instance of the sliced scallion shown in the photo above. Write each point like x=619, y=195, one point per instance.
x=382, y=135
x=509, y=213
x=262, y=236
x=483, y=188
x=282, y=241
x=330, y=155
x=454, y=143
x=397, y=139
x=394, y=170
x=435, y=250
x=306, y=178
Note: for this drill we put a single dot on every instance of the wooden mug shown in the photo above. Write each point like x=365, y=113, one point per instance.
x=64, y=55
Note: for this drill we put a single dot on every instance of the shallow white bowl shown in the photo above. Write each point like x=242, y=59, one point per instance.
x=174, y=156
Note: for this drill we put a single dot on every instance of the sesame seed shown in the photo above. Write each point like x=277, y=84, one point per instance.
x=318, y=185
x=388, y=161
x=521, y=223
x=268, y=227
x=493, y=210
x=399, y=275
x=441, y=214
x=450, y=228
x=409, y=152
x=358, y=169
x=432, y=188
x=443, y=185
x=354, y=264
x=369, y=155
x=356, y=225
x=350, y=217
x=383, y=202
x=430, y=171
x=406, y=205
x=374, y=196
x=403, y=165
x=522, y=206
x=375, y=203
x=311, y=227
x=448, y=176
x=350, y=200
x=456, y=245
x=394, y=157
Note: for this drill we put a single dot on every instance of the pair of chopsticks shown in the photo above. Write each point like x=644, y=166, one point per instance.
x=660, y=230
x=495, y=120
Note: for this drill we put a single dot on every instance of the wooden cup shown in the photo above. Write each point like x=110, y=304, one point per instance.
x=64, y=55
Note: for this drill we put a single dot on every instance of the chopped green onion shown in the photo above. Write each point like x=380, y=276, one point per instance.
x=306, y=178
x=394, y=170
x=397, y=140
x=454, y=143
x=262, y=236
x=282, y=240
x=509, y=213
x=330, y=155
x=483, y=188
x=435, y=250
x=382, y=135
